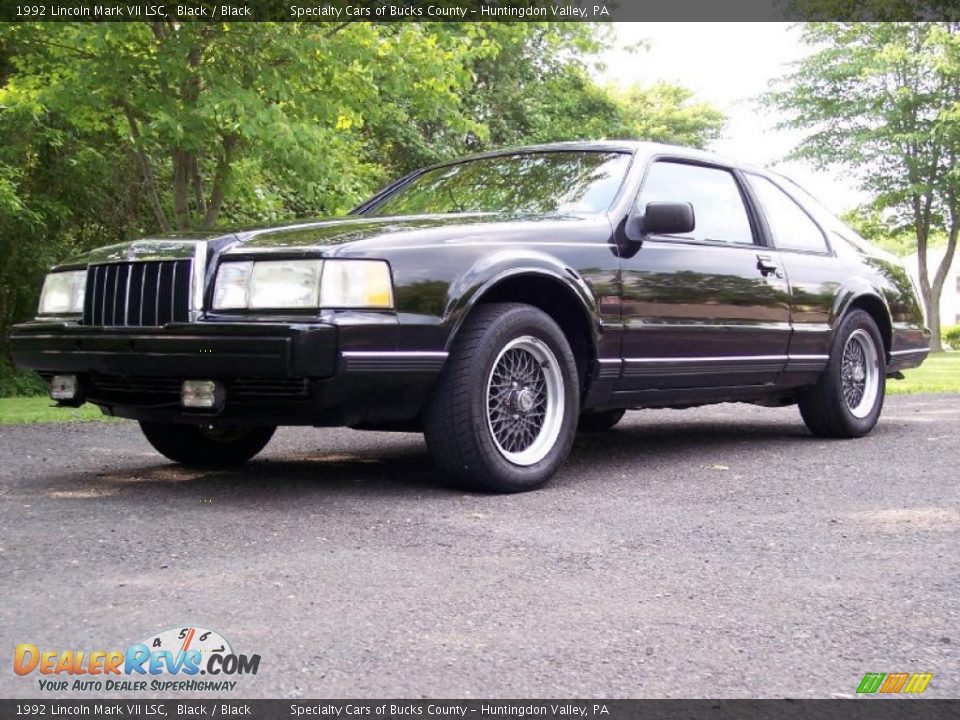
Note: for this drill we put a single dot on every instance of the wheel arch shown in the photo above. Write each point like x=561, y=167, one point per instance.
x=876, y=307
x=556, y=289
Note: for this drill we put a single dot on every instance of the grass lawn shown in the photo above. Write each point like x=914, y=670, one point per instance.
x=19, y=410
x=940, y=373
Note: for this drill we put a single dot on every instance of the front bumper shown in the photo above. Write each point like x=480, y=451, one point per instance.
x=274, y=373
x=205, y=350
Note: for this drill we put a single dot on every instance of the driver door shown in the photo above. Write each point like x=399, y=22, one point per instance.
x=709, y=308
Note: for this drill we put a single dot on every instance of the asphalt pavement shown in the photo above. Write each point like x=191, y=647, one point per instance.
x=716, y=552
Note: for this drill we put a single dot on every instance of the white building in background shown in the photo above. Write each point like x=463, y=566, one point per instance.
x=950, y=298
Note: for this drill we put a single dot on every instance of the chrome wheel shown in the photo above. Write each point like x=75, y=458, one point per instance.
x=525, y=397
x=860, y=373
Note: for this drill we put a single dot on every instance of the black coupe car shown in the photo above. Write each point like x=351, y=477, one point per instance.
x=495, y=303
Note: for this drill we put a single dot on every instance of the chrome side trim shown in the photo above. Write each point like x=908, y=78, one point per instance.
x=917, y=351
x=394, y=354
x=609, y=367
x=709, y=365
x=806, y=363
x=733, y=359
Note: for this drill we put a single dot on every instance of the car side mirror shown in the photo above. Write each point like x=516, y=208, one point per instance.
x=661, y=218
x=668, y=218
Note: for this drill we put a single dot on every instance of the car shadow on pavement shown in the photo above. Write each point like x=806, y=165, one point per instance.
x=406, y=466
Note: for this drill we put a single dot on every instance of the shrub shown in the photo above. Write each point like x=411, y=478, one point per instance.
x=951, y=337
x=19, y=383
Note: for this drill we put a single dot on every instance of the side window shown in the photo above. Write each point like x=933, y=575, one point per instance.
x=792, y=228
x=717, y=204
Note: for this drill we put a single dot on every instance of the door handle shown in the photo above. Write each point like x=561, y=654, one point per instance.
x=767, y=266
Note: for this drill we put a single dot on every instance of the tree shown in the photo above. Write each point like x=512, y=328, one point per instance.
x=887, y=232
x=669, y=113
x=194, y=101
x=882, y=99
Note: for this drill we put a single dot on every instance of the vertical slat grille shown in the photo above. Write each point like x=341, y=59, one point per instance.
x=138, y=293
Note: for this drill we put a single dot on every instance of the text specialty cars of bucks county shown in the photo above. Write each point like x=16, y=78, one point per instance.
x=495, y=303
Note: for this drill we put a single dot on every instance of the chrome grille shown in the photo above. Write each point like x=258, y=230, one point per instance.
x=138, y=293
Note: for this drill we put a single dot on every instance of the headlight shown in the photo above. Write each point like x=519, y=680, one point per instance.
x=356, y=284
x=62, y=293
x=299, y=284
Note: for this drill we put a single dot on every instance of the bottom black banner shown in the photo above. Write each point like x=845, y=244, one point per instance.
x=874, y=709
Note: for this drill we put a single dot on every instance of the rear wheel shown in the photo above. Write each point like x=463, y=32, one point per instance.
x=503, y=415
x=206, y=445
x=847, y=400
x=599, y=421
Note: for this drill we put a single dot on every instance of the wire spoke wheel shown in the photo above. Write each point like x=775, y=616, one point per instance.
x=859, y=373
x=525, y=398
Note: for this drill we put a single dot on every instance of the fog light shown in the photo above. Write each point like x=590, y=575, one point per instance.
x=204, y=394
x=63, y=387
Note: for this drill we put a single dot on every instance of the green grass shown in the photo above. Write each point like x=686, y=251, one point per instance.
x=20, y=410
x=940, y=373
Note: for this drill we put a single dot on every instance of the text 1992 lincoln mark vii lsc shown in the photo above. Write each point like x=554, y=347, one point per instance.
x=494, y=303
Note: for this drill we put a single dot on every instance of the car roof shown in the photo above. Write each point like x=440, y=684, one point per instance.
x=641, y=148
x=635, y=147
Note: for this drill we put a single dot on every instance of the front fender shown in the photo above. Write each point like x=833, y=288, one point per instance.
x=487, y=272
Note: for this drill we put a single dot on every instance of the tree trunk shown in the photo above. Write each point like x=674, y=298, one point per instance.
x=220, y=178
x=197, y=181
x=940, y=279
x=931, y=300
x=146, y=170
x=181, y=177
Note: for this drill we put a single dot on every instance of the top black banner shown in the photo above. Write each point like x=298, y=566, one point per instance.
x=475, y=10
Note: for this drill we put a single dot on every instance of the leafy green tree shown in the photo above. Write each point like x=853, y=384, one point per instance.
x=882, y=99
x=886, y=232
x=192, y=101
x=669, y=113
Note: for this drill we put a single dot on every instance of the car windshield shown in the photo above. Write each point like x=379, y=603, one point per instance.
x=541, y=183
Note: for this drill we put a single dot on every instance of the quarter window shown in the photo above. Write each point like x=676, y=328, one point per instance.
x=792, y=228
x=718, y=207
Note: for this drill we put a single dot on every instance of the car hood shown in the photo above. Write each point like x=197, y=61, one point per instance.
x=343, y=235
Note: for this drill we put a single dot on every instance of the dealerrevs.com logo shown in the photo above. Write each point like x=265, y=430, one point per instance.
x=170, y=661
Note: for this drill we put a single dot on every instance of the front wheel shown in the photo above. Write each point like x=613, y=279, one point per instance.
x=206, y=445
x=504, y=412
x=846, y=401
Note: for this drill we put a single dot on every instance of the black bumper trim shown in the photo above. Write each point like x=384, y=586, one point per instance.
x=194, y=349
x=399, y=361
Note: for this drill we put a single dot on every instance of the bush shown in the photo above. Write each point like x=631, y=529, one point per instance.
x=19, y=383
x=951, y=337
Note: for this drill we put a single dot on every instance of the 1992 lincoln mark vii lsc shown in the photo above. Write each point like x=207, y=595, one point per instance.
x=494, y=303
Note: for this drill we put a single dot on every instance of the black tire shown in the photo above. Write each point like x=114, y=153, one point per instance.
x=824, y=407
x=460, y=434
x=206, y=446
x=599, y=421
